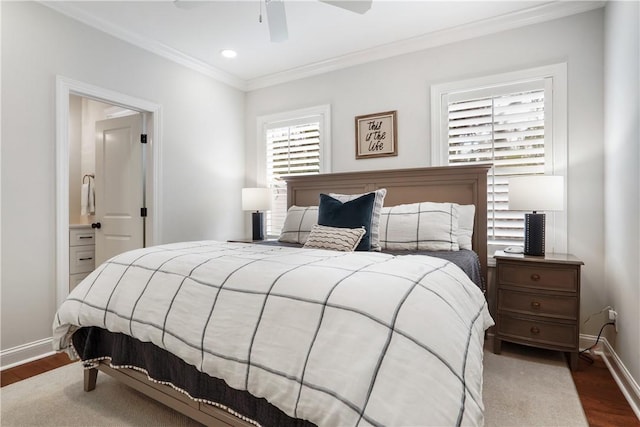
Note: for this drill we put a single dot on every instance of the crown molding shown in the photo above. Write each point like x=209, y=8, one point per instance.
x=153, y=46
x=545, y=12
x=542, y=13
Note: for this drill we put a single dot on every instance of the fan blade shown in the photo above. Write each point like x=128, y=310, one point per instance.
x=277, y=20
x=357, y=6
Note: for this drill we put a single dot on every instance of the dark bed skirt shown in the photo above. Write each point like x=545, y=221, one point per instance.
x=96, y=343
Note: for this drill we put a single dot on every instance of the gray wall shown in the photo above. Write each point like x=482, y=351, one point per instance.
x=202, y=152
x=622, y=176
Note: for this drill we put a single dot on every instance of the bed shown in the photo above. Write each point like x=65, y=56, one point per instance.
x=306, y=348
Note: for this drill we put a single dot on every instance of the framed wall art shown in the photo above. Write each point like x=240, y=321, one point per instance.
x=376, y=135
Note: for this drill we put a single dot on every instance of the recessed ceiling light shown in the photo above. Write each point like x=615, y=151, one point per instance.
x=229, y=53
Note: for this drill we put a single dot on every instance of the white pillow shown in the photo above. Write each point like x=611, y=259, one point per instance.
x=335, y=239
x=298, y=223
x=375, y=215
x=424, y=226
x=465, y=225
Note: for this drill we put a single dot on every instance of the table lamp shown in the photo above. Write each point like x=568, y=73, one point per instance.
x=535, y=193
x=257, y=200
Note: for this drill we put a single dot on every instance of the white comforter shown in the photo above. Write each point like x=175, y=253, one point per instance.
x=339, y=339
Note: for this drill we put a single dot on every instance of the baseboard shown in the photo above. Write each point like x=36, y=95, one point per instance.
x=587, y=341
x=621, y=375
x=25, y=353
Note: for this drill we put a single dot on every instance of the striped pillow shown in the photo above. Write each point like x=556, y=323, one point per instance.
x=298, y=223
x=426, y=226
x=375, y=216
x=334, y=238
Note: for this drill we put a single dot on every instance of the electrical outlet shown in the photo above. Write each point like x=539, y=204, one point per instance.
x=613, y=317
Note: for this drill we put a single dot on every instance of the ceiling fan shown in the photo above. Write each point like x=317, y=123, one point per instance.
x=277, y=17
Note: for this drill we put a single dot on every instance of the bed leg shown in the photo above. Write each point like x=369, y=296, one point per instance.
x=90, y=377
x=497, y=345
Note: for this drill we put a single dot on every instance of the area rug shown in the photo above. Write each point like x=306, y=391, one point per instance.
x=526, y=386
x=522, y=387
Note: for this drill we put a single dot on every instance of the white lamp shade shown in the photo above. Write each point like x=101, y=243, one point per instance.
x=256, y=199
x=536, y=193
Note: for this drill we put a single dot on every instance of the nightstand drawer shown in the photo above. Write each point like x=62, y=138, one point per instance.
x=535, y=332
x=538, y=304
x=559, y=279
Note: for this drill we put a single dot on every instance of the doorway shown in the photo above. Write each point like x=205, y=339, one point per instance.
x=150, y=153
x=106, y=183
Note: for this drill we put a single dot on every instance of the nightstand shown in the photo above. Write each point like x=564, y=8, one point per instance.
x=538, y=302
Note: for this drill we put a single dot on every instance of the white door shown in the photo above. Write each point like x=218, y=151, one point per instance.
x=119, y=186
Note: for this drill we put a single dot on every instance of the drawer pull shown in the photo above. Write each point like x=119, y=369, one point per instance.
x=535, y=277
x=85, y=259
x=85, y=237
x=535, y=304
x=535, y=330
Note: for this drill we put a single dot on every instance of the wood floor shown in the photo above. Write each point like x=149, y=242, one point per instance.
x=601, y=398
x=31, y=369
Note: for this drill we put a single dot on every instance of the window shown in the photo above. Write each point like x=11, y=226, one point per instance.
x=509, y=123
x=292, y=143
x=508, y=130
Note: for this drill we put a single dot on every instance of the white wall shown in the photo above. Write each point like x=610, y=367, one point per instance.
x=83, y=114
x=75, y=158
x=622, y=176
x=202, y=149
x=402, y=83
x=92, y=111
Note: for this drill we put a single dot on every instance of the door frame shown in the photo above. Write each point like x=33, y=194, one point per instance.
x=65, y=87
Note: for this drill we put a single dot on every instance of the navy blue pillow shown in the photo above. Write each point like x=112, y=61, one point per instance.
x=353, y=214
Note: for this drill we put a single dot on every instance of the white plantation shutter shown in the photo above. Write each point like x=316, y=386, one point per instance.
x=507, y=126
x=292, y=147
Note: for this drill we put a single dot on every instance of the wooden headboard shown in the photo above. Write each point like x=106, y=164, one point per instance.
x=464, y=185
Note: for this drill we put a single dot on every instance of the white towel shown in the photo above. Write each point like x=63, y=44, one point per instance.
x=87, y=199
